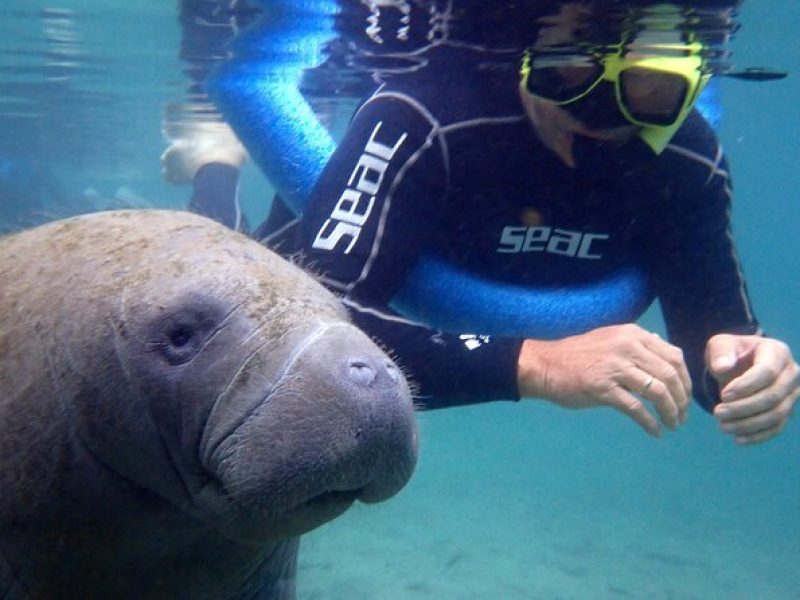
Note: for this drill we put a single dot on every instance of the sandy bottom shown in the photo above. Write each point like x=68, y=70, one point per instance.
x=527, y=501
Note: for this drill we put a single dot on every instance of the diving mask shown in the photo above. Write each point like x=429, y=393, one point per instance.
x=654, y=90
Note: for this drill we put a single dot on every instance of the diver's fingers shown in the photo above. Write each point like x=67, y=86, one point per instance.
x=760, y=436
x=657, y=382
x=628, y=404
x=778, y=415
x=672, y=371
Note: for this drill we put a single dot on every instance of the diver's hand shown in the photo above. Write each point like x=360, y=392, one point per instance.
x=199, y=144
x=759, y=384
x=617, y=366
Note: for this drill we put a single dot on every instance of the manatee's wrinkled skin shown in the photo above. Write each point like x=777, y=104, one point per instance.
x=177, y=406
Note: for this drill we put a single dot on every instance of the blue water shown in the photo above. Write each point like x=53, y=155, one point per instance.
x=509, y=501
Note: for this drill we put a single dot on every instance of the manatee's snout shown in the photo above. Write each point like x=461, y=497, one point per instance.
x=364, y=403
x=377, y=439
x=338, y=425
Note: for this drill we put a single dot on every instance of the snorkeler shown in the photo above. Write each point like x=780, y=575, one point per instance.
x=203, y=149
x=584, y=162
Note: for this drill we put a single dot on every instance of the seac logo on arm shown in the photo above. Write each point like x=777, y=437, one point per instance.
x=354, y=206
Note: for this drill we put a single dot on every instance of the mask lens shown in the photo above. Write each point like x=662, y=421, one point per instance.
x=653, y=97
x=562, y=82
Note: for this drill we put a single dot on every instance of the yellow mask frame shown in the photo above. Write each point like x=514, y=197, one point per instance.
x=683, y=60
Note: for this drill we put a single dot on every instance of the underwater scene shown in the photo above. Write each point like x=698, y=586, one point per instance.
x=309, y=126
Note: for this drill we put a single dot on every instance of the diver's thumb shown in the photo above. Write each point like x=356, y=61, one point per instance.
x=721, y=354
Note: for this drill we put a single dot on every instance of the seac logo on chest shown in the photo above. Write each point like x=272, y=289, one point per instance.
x=565, y=242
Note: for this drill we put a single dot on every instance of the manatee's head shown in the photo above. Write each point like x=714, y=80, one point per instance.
x=331, y=426
x=228, y=382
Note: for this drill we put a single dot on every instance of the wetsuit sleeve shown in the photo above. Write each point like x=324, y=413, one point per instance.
x=698, y=277
x=216, y=195
x=444, y=369
x=377, y=201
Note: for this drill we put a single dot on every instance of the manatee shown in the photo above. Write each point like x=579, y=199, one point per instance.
x=178, y=405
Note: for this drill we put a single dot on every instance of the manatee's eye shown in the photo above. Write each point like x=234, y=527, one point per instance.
x=181, y=335
x=178, y=336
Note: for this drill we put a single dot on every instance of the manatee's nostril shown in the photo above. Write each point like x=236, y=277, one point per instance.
x=361, y=372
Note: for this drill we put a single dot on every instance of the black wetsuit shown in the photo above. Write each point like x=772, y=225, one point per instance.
x=445, y=161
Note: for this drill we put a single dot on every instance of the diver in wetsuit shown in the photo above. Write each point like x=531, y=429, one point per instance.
x=587, y=161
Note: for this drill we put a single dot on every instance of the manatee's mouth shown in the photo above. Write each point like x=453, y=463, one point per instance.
x=334, y=497
x=255, y=522
x=315, y=511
